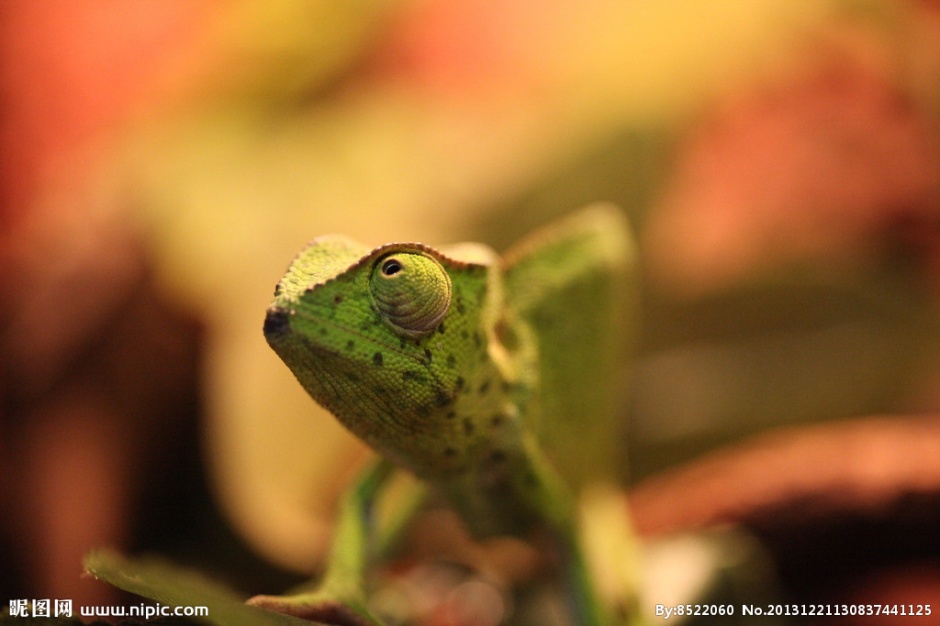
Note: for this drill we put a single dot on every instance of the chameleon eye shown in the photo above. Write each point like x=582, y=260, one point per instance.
x=412, y=292
x=391, y=267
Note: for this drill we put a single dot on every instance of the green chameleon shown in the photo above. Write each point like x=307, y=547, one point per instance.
x=493, y=380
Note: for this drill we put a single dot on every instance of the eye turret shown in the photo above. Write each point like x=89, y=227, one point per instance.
x=411, y=290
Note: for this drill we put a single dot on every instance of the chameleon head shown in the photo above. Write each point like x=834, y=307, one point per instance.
x=381, y=339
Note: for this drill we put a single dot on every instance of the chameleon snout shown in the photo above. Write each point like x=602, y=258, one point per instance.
x=276, y=323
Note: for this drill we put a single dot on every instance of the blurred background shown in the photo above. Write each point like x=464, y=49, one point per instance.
x=163, y=160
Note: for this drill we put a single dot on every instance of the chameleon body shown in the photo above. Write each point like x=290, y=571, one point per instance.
x=490, y=378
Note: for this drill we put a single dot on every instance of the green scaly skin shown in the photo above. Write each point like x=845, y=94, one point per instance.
x=491, y=379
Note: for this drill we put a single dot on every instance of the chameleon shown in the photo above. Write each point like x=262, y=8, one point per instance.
x=491, y=378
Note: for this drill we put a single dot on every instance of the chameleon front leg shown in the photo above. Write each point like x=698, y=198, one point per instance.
x=340, y=597
x=585, y=602
x=556, y=506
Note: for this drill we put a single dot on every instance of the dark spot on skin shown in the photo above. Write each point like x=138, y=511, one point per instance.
x=418, y=342
x=451, y=361
x=498, y=456
x=450, y=453
x=377, y=359
x=337, y=298
x=484, y=387
x=350, y=345
x=411, y=375
x=402, y=342
x=460, y=307
x=531, y=480
x=459, y=384
x=322, y=331
x=428, y=355
x=352, y=377
x=468, y=426
x=440, y=328
x=506, y=386
x=379, y=390
x=442, y=398
x=507, y=335
x=451, y=415
x=497, y=420
x=477, y=340
x=502, y=329
x=424, y=410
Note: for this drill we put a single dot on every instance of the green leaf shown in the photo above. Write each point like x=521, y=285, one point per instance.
x=174, y=586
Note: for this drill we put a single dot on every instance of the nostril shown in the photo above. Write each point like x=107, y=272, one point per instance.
x=276, y=322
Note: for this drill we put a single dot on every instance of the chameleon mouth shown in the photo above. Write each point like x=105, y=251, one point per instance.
x=276, y=323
